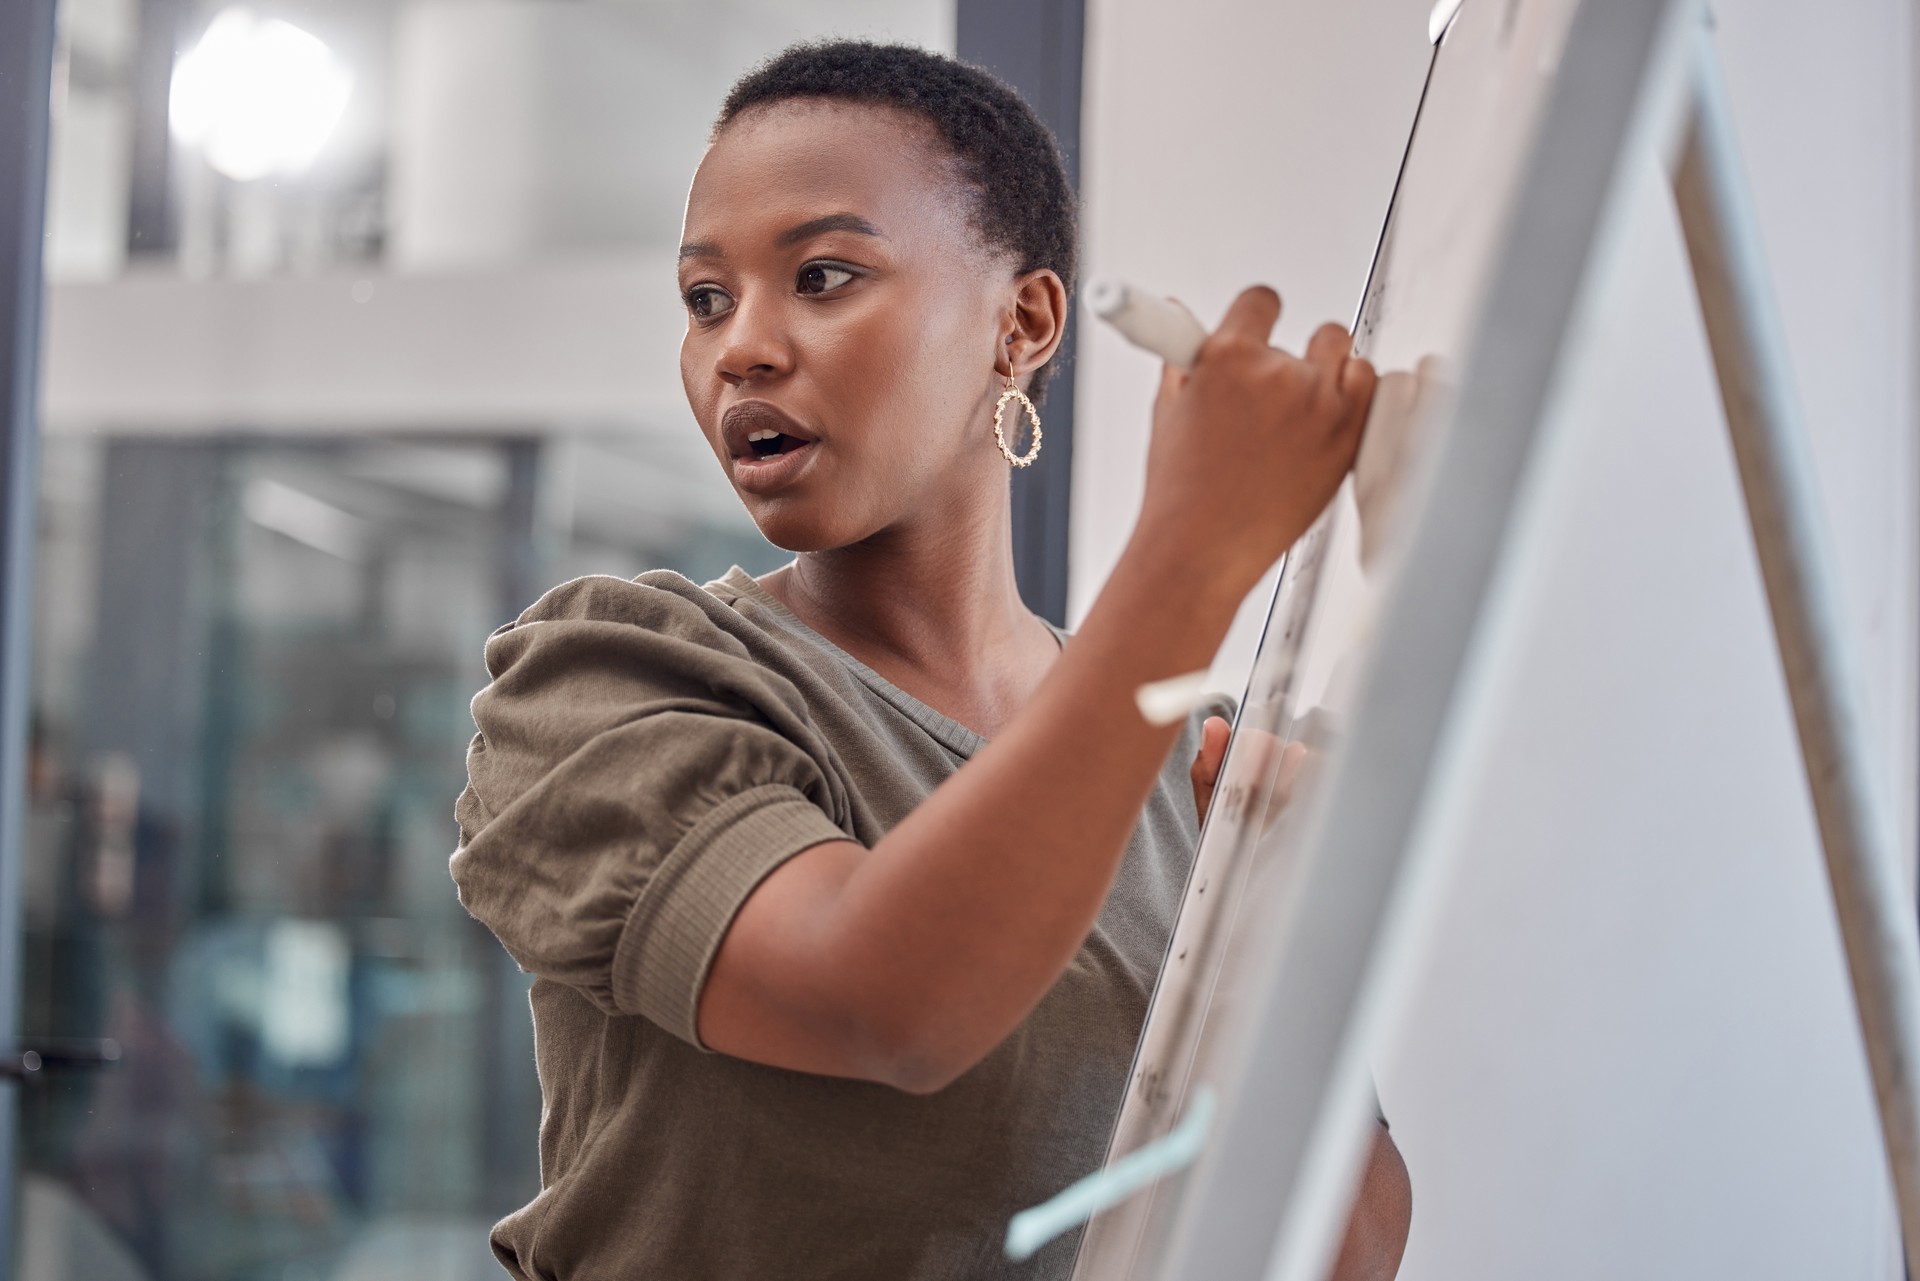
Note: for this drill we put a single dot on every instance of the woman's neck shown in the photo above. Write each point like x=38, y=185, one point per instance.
x=932, y=605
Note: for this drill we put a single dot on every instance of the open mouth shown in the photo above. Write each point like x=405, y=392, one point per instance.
x=771, y=444
x=767, y=447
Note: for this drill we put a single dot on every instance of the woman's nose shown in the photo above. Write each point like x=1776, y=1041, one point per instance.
x=756, y=345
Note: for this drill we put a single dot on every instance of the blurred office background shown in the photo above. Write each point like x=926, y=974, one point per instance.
x=361, y=331
x=319, y=415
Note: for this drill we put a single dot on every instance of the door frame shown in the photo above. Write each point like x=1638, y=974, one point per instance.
x=1039, y=47
x=26, y=81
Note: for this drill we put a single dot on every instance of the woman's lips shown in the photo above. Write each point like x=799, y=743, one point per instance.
x=752, y=471
x=758, y=475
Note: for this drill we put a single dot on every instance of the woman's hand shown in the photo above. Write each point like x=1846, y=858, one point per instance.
x=1263, y=756
x=1206, y=762
x=1250, y=444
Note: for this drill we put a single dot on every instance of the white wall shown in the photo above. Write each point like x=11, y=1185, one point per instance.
x=528, y=346
x=526, y=128
x=1633, y=1053
x=1246, y=142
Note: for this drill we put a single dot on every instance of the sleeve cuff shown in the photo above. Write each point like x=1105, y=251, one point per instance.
x=676, y=925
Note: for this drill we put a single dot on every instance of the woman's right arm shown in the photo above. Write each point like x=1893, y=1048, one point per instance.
x=907, y=963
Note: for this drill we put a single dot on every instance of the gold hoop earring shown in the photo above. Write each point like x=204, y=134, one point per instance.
x=1000, y=431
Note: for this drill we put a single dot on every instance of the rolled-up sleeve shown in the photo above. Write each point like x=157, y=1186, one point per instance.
x=635, y=776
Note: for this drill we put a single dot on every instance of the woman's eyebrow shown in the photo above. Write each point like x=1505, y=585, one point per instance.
x=831, y=222
x=793, y=235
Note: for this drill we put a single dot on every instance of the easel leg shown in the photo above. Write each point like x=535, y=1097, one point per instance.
x=1877, y=922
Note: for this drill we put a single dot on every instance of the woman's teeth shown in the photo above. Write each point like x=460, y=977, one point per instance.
x=765, y=444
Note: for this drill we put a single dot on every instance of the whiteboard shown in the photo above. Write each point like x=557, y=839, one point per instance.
x=1473, y=149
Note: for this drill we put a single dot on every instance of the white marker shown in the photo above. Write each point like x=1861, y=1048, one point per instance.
x=1167, y=702
x=1107, y=1187
x=1160, y=325
x=1168, y=330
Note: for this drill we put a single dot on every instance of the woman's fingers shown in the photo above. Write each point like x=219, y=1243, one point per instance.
x=1206, y=762
x=1213, y=745
x=1171, y=381
x=1328, y=349
x=1251, y=443
x=1357, y=378
x=1293, y=758
x=1357, y=383
x=1251, y=317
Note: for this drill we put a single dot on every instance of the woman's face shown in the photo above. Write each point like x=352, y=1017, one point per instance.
x=844, y=323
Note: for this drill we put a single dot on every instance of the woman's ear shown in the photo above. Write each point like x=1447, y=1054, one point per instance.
x=1035, y=323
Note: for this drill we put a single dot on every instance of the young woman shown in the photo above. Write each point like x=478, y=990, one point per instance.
x=845, y=888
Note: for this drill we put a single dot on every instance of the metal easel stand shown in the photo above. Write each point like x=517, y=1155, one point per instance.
x=1877, y=922
x=1268, y=1193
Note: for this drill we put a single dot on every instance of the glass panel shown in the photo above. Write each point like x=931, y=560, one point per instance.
x=334, y=386
x=251, y=709
x=246, y=750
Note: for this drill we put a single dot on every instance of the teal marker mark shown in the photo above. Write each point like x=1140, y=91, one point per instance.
x=1173, y=1152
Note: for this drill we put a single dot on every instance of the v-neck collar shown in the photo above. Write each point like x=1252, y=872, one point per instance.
x=948, y=732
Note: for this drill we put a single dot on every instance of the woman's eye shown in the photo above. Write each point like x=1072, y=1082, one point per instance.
x=820, y=277
x=708, y=303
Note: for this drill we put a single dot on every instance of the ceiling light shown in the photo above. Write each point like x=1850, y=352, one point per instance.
x=257, y=96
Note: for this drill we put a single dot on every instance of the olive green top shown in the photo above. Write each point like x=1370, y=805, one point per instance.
x=647, y=752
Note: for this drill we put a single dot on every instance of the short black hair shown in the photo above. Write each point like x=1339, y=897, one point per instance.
x=1011, y=160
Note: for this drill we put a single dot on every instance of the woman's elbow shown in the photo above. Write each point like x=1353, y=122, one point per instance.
x=910, y=1077
x=916, y=1052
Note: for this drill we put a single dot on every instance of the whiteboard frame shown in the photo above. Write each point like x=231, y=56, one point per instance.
x=1270, y=1194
